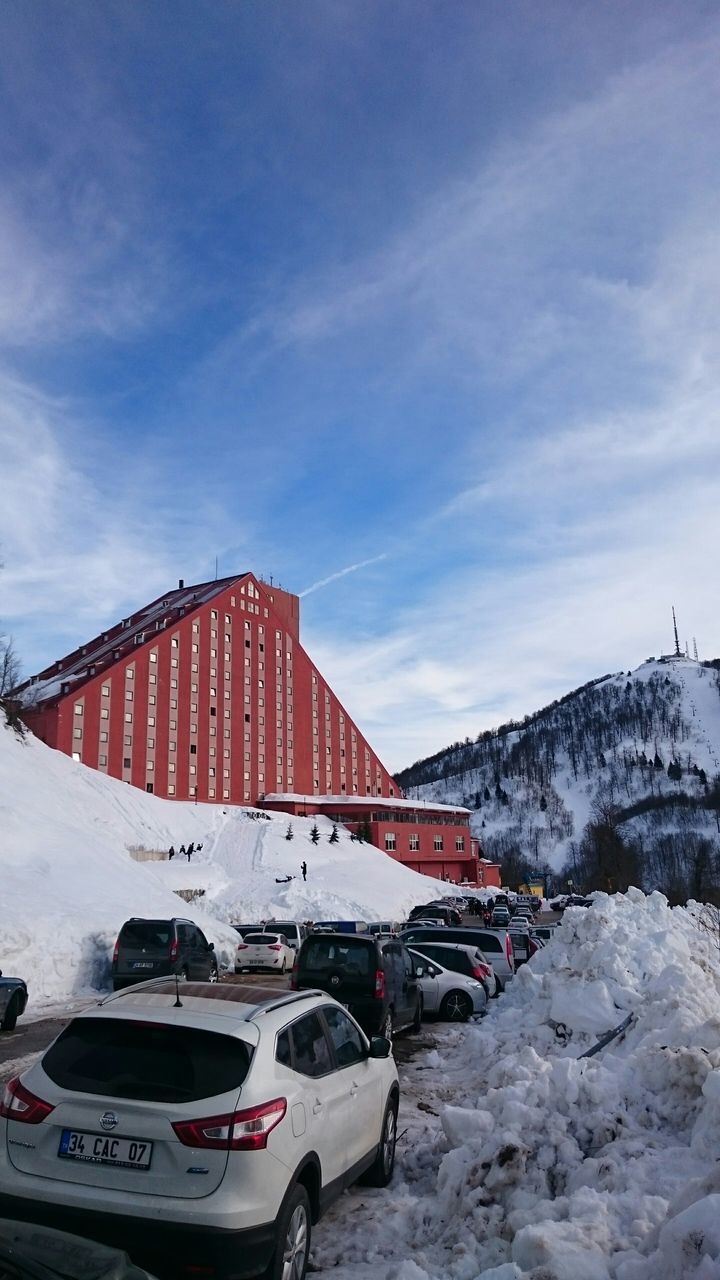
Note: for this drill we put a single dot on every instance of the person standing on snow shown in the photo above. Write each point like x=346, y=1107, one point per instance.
x=171, y=853
x=303, y=868
x=190, y=850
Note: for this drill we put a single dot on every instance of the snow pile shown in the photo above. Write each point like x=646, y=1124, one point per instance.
x=526, y=1160
x=67, y=881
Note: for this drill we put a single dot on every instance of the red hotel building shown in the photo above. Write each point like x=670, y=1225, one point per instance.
x=207, y=694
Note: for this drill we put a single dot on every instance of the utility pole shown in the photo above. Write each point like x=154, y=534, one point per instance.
x=695, y=652
x=677, y=642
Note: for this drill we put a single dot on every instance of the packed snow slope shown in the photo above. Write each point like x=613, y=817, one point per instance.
x=67, y=880
x=533, y=785
x=527, y=1160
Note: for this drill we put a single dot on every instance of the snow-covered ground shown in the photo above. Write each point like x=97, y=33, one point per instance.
x=67, y=880
x=521, y=1159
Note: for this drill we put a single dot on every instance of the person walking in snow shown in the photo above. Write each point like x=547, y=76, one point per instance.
x=190, y=850
x=171, y=853
x=303, y=868
x=182, y=849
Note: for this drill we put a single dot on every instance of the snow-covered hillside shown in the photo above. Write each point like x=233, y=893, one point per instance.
x=67, y=880
x=535, y=786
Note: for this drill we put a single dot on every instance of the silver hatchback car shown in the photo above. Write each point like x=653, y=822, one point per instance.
x=201, y=1127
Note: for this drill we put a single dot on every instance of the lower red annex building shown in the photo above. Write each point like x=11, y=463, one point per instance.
x=207, y=694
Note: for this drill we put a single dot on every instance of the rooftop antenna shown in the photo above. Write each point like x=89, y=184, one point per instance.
x=216, y=567
x=677, y=642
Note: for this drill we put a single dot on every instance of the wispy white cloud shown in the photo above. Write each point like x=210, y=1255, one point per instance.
x=341, y=573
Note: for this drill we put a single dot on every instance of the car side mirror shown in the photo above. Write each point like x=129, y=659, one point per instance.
x=380, y=1047
x=211, y=946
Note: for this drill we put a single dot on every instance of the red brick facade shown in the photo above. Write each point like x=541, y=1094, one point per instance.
x=206, y=694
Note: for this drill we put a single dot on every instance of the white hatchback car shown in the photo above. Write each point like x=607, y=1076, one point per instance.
x=201, y=1127
x=264, y=950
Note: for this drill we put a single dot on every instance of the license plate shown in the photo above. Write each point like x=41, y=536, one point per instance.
x=143, y=964
x=98, y=1148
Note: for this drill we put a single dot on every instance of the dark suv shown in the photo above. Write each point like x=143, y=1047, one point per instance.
x=373, y=977
x=437, y=911
x=159, y=948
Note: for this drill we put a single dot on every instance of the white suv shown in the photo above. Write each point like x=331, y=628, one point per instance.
x=201, y=1127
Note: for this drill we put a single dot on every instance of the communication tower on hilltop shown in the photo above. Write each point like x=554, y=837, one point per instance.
x=695, y=652
x=677, y=642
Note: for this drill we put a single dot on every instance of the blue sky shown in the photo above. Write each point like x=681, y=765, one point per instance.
x=416, y=301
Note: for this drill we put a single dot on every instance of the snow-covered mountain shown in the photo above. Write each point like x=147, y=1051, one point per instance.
x=617, y=781
x=68, y=880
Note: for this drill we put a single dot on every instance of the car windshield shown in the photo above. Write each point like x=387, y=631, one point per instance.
x=154, y=1062
x=259, y=938
x=146, y=933
x=323, y=954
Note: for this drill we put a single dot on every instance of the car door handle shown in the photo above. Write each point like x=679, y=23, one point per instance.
x=317, y=1106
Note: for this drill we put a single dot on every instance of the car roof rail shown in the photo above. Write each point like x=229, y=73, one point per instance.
x=215, y=991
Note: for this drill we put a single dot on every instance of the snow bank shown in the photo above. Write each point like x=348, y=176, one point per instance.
x=540, y=1163
x=67, y=881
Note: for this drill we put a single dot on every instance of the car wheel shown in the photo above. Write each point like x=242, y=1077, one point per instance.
x=416, y=1024
x=456, y=1007
x=214, y=975
x=381, y=1170
x=293, y=1238
x=11, y=1015
x=387, y=1026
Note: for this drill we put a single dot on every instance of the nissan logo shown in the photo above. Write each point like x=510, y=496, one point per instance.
x=108, y=1120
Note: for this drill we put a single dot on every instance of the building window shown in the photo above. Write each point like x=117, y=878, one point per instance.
x=151, y=744
x=193, y=728
x=193, y=769
x=414, y=843
x=171, y=767
x=78, y=708
x=152, y=678
x=103, y=736
x=173, y=662
x=171, y=790
x=130, y=673
x=438, y=844
x=213, y=711
x=128, y=695
x=149, y=787
x=127, y=741
x=126, y=762
x=173, y=704
x=174, y=642
x=105, y=691
x=459, y=844
x=173, y=684
x=193, y=749
x=76, y=755
x=151, y=699
x=102, y=760
x=153, y=658
x=151, y=721
x=149, y=766
x=104, y=714
x=77, y=733
x=128, y=717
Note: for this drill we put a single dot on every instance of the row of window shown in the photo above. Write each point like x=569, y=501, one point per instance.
x=414, y=843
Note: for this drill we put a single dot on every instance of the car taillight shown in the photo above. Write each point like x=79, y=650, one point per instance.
x=18, y=1103
x=242, y=946
x=295, y=976
x=173, y=949
x=237, y=1131
x=116, y=951
x=274, y=946
x=509, y=951
x=481, y=971
x=379, y=984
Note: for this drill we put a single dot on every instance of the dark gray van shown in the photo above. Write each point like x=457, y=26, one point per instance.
x=495, y=945
x=374, y=978
x=159, y=948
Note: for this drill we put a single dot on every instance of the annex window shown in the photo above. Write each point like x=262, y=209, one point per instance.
x=414, y=843
x=459, y=844
x=438, y=844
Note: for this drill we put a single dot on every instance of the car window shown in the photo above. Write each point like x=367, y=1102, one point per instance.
x=261, y=938
x=199, y=939
x=346, y=1037
x=311, y=1051
x=146, y=933
x=153, y=1062
x=408, y=963
x=323, y=954
x=283, y=1053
